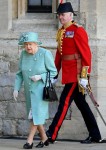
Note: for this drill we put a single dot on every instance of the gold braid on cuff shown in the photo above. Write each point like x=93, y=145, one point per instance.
x=84, y=74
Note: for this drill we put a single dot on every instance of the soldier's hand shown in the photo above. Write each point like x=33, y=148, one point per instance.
x=54, y=81
x=83, y=82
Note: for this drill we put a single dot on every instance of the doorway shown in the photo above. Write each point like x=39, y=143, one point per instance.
x=40, y=6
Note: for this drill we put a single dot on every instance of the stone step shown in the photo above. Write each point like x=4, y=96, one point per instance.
x=15, y=34
x=44, y=24
x=39, y=16
x=36, y=22
x=36, y=27
x=11, y=44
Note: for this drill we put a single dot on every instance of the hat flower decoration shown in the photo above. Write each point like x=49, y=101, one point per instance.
x=28, y=37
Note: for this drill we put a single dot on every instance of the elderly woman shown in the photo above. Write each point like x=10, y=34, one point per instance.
x=34, y=64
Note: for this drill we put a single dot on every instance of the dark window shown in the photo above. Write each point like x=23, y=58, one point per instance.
x=39, y=5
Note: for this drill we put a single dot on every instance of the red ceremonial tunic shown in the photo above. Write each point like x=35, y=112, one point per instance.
x=72, y=40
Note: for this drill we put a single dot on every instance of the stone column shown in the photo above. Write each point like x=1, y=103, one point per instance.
x=54, y=8
x=95, y=23
x=21, y=8
x=5, y=15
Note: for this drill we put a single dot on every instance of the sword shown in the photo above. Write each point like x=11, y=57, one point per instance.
x=89, y=92
x=84, y=73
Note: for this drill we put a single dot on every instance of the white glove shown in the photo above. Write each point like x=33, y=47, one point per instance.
x=15, y=95
x=83, y=82
x=30, y=114
x=53, y=81
x=35, y=78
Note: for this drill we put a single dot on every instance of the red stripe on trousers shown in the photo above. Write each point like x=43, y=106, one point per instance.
x=64, y=111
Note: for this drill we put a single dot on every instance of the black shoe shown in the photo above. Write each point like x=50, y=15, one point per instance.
x=28, y=146
x=49, y=138
x=51, y=141
x=41, y=144
x=90, y=140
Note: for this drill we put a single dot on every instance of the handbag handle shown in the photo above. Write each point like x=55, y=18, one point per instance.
x=48, y=77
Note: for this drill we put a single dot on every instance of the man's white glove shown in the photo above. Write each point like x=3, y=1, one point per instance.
x=35, y=78
x=15, y=95
x=53, y=81
x=83, y=82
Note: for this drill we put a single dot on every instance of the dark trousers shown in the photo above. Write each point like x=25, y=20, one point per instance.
x=70, y=93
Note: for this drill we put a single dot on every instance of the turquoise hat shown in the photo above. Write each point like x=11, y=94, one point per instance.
x=28, y=37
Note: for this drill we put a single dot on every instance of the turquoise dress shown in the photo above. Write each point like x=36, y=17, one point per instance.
x=29, y=65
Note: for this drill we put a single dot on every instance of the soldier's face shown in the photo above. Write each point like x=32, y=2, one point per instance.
x=64, y=18
x=31, y=47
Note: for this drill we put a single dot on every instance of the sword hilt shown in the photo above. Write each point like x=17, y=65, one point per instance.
x=89, y=89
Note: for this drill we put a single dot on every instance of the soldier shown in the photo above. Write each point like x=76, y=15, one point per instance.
x=73, y=56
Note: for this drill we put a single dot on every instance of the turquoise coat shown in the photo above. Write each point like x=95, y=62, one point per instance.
x=30, y=65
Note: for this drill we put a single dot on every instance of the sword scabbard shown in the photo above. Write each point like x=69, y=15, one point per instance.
x=89, y=91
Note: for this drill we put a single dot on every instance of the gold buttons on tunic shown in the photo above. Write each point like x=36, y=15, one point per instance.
x=59, y=39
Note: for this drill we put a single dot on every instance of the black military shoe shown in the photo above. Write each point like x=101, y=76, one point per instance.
x=90, y=140
x=42, y=144
x=49, y=138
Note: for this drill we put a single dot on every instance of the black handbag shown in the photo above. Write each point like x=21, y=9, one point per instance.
x=49, y=93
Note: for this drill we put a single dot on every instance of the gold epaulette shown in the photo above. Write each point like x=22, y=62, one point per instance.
x=76, y=24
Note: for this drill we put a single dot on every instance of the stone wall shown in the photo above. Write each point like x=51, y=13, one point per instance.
x=5, y=15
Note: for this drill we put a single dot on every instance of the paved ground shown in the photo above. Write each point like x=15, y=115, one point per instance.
x=16, y=144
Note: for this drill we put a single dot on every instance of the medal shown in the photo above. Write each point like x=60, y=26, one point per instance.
x=69, y=34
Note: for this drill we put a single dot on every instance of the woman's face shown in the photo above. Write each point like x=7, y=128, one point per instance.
x=31, y=47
